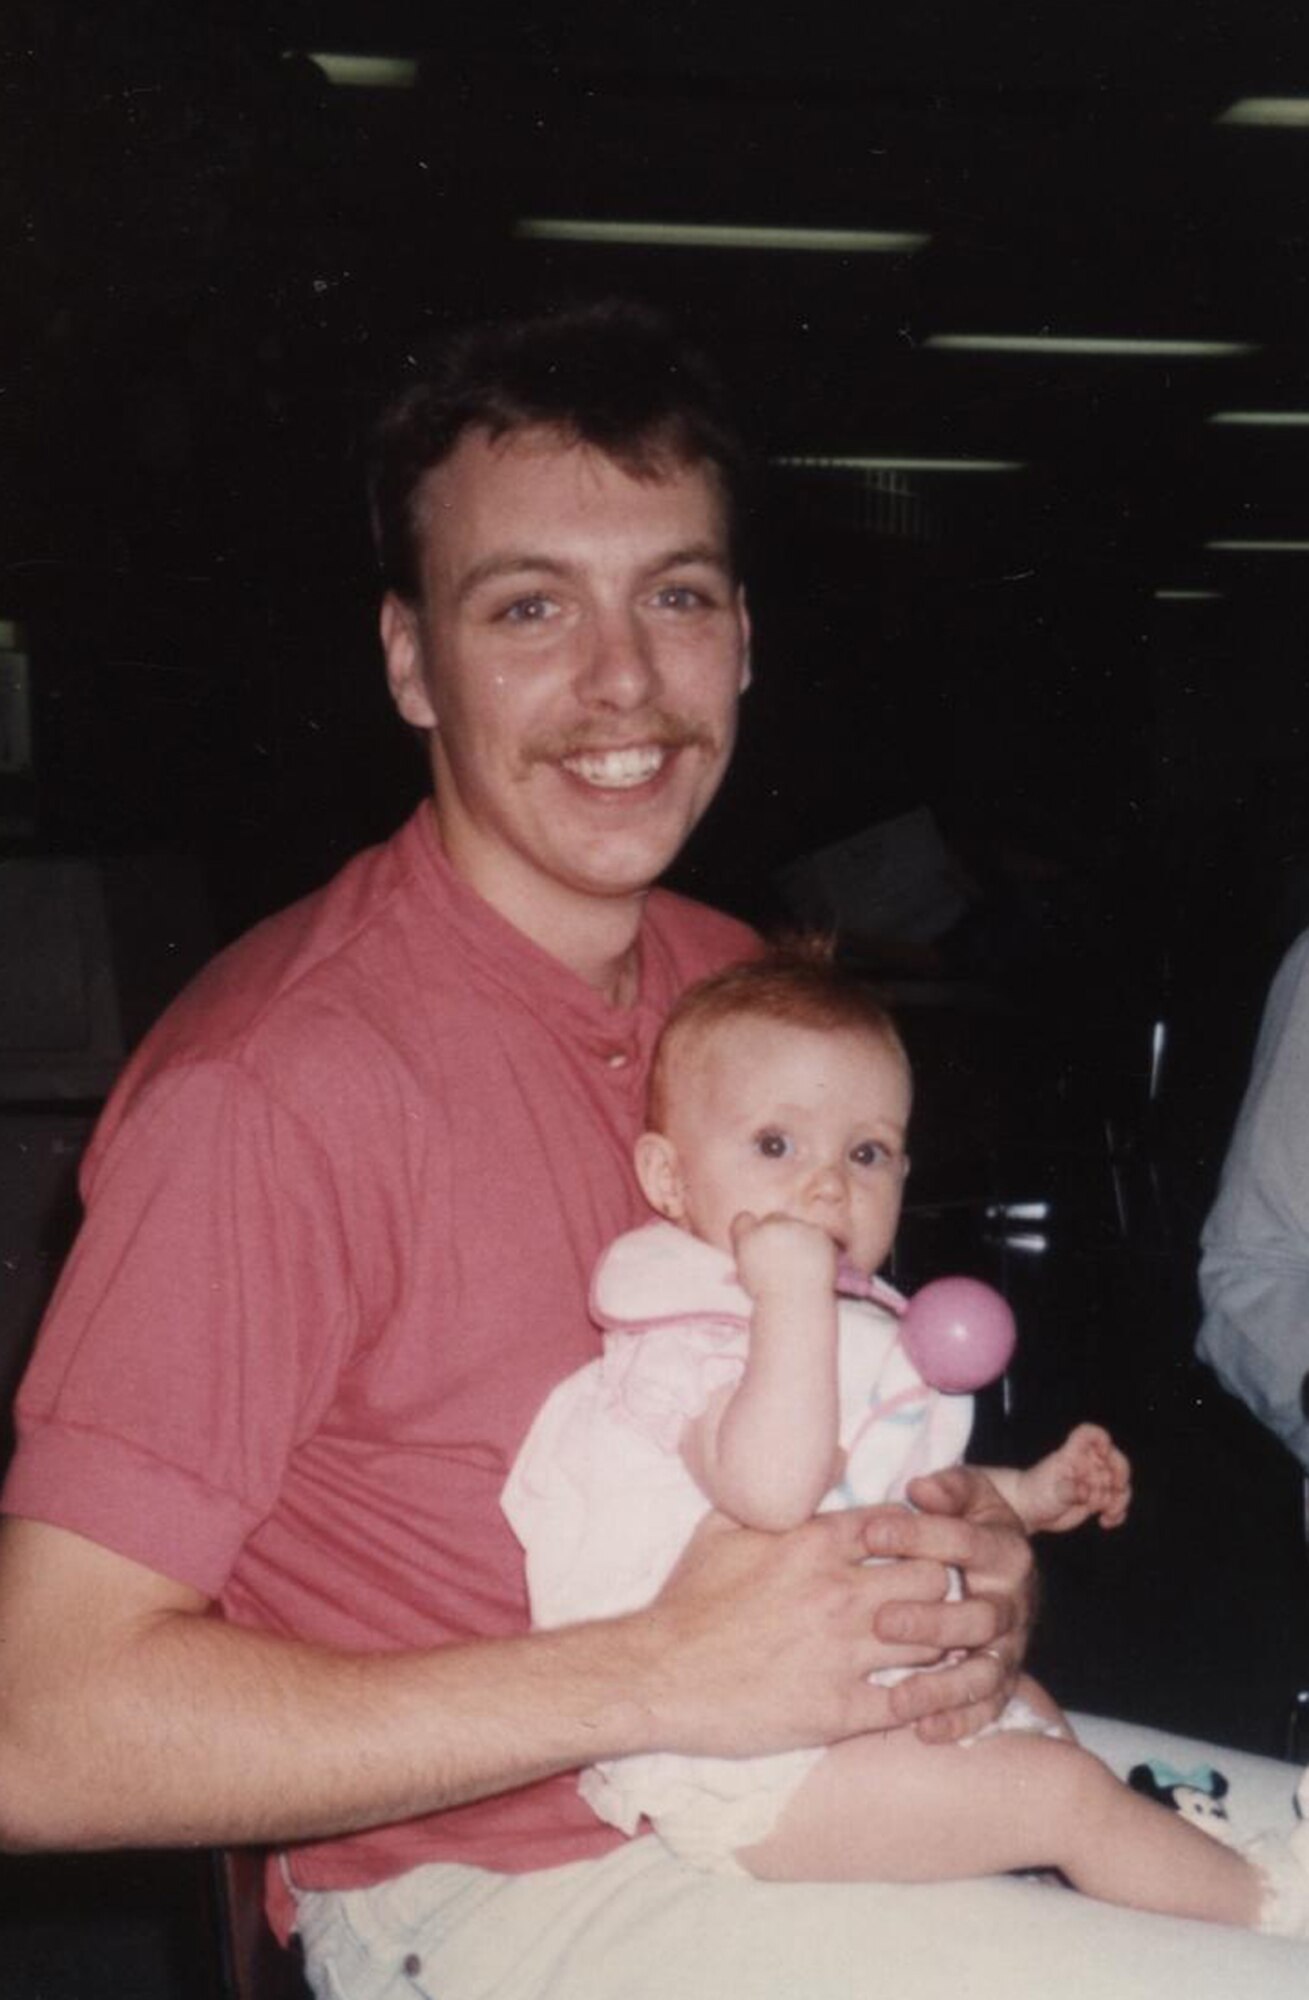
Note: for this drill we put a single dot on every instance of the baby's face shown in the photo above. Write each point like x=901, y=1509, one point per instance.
x=771, y=1119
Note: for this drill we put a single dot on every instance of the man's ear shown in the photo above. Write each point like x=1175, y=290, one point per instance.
x=405, y=666
x=660, y=1175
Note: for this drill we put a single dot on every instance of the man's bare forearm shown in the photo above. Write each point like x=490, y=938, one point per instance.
x=128, y=1716
x=153, y=1723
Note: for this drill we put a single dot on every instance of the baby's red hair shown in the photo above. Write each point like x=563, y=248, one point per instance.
x=796, y=982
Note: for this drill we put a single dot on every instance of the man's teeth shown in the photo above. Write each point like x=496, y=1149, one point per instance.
x=617, y=769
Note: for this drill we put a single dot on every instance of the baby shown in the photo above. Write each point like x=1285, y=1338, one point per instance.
x=739, y=1373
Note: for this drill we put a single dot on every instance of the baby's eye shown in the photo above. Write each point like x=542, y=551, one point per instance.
x=773, y=1145
x=871, y=1153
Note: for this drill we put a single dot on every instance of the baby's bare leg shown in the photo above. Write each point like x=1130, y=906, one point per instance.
x=890, y=1808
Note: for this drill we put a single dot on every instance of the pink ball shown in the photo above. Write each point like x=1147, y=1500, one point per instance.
x=958, y=1333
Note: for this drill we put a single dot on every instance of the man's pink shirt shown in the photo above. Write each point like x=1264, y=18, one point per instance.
x=344, y=1206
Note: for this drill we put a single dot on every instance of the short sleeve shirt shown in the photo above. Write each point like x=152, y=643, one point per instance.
x=341, y=1216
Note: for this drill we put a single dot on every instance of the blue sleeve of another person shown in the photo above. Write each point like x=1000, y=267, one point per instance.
x=1254, y=1269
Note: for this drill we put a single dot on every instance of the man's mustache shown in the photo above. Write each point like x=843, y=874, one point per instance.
x=656, y=731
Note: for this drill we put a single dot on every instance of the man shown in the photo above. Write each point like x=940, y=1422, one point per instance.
x=341, y=1215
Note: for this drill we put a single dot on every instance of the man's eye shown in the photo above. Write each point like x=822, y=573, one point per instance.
x=772, y=1145
x=527, y=611
x=680, y=597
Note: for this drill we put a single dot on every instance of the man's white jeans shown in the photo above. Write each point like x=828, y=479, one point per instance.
x=640, y=1925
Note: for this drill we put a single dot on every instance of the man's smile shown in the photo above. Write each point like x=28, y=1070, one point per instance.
x=619, y=770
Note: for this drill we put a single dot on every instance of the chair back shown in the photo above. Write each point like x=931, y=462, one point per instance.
x=254, y=1966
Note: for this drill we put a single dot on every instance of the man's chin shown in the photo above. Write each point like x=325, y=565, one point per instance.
x=622, y=852
x=615, y=870
x=614, y=881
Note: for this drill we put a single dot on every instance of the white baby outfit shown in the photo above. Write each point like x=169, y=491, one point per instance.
x=603, y=1504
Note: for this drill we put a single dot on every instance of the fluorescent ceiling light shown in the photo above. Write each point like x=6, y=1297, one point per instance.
x=890, y=462
x=1287, y=112
x=1061, y=343
x=716, y=235
x=1269, y=419
x=368, y=72
x=1187, y=596
x=1243, y=546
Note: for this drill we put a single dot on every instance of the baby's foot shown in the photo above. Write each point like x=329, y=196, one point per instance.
x=1283, y=1864
x=1299, y=1839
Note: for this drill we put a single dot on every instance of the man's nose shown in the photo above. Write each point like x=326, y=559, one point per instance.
x=619, y=669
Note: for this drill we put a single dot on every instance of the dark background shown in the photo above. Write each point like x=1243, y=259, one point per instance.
x=216, y=261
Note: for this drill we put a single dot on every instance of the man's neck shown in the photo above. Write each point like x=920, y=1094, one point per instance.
x=606, y=962
x=594, y=936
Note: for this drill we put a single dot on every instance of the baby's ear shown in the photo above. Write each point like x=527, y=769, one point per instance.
x=660, y=1175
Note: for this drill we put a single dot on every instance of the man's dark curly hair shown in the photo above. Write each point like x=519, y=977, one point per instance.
x=612, y=374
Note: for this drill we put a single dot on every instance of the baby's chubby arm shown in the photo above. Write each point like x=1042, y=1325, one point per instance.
x=765, y=1452
x=1086, y=1476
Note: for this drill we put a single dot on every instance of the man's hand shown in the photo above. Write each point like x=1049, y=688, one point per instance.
x=765, y=1642
x=961, y=1520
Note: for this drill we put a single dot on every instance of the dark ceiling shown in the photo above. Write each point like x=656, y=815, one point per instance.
x=219, y=257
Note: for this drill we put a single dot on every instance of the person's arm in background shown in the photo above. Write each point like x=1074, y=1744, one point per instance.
x=1254, y=1270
